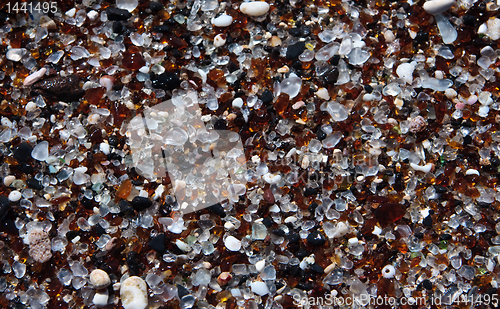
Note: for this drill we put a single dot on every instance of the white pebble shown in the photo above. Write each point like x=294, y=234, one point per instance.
x=491, y=28
x=405, y=71
x=99, y=278
x=438, y=6
x=259, y=266
x=104, y=147
x=134, y=293
x=222, y=21
x=388, y=271
x=34, y=77
x=14, y=196
x=100, y=298
x=323, y=94
x=15, y=54
x=426, y=168
x=259, y=288
x=219, y=40
x=8, y=180
x=232, y=243
x=450, y=93
x=107, y=82
x=471, y=172
x=254, y=8
x=389, y=36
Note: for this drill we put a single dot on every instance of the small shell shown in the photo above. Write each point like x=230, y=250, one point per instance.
x=417, y=124
x=388, y=272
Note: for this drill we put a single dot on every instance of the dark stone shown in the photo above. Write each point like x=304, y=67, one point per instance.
x=467, y=140
x=421, y=37
x=155, y=6
x=137, y=182
x=427, y=221
x=87, y=203
x=445, y=237
x=293, y=51
x=218, y=210
x=133, y=263
x=117, y=27
x=427, y=284
x=157, y=243
x=182, y=291
x=140, y=203
x=99, y=230
x=118, y=14
x=320, y=135
x=301, y=253
x=278, y=232
x=220, y=124
x=469, y=20
x=268, y=222
x=317, y=268
x=32, y=183
x=113, y=140
x=310, y=192
x=368, y=88
x=166, y=81
x=295, y=32
x=312, y=208
x=419, y=235
x=316, y=238
x=62, y=88
x=267, y=96
x=304, y=286
x=161, y=29
x=293, y=237
x=22, y=152
x=440, y=189
x=126, y=208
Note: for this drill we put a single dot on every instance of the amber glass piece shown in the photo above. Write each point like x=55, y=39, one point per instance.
x=389, y=212
x=124, y=190
x=93, y=95
x=133, y=61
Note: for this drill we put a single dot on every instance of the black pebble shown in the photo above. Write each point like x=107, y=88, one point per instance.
x=469, y=20
x=467, y=140
x=304, y=286
x=155, y=6
x=320, y=135
x=161, y=28
x=335, y=60
x=113, y=140
x=427, y=284
x=87, y=203
x=293, y=237
x=220, y=124
x=301, y=253
x=72, y=234
x=445, y=237
x=332, y=76
x=118, y=14
x=166, y=81
x=440, y=189
x=22, y=152
x=310, y=192
x=117, y=27
x=140, y=203
x=182, y=291
x=268, y=222
x=293, y=51
x=419, y=235
x=158, y=243
x=125, y=208
x=233, y=67
x=218, y=210
x=132, y=263
x=267, y=96
x=316, y=238
x=316, y=268
x=32, y=183
x=278, y=232
x=295, y=32
x=368, y=88
x=428, y=221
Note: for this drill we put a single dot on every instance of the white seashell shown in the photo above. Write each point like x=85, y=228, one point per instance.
x=254, y=8
x=219, y=40
x=388, y=272
x=222, y=21
x=34, y=77
x=437, y=6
